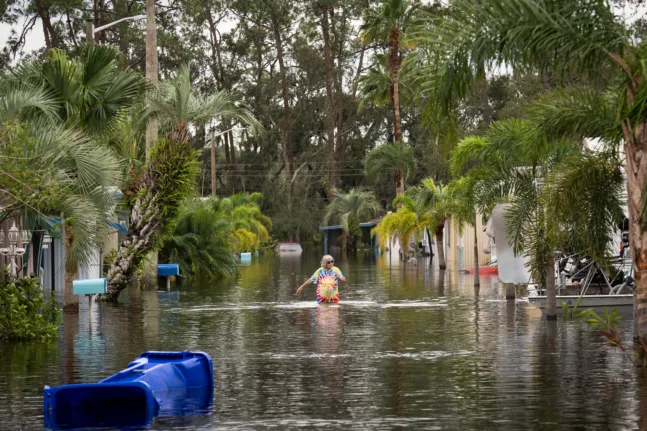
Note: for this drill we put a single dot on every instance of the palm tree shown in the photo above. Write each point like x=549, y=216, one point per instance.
x=396, y=158
x=464, y=209
x=578, y=209
x=92, y=92
x=49, y=168
x=409, y=221
x=250, y=228
x=177, y=106
x=435, y=199
x=169, y=179
x=171, y=170
x=200, y=242
x=390, y=23
x=376, y=86
x=350, y=209
x=578, y=36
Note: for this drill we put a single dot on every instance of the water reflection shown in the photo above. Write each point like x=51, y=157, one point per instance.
x=406, y=347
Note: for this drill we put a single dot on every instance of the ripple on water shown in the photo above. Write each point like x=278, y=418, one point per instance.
x=312, y=304
x=422, y=356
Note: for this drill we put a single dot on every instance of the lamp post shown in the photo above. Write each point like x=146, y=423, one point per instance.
x=151, y=58
x=151, y=71
x=90, y=30
x=13, y=250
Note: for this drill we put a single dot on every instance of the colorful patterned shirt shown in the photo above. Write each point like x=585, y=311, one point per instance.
x=327, y=282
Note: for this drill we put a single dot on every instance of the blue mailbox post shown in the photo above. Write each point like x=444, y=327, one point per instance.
x=167, y=270
x=89, y=287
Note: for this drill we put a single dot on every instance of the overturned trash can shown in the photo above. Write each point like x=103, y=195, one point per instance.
x=154, y=384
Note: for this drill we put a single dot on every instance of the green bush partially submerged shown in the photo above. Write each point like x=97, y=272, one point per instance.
x=25, y=314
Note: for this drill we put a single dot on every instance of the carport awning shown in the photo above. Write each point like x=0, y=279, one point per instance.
x=339, y=227
x=117, y=226
x=51, y=221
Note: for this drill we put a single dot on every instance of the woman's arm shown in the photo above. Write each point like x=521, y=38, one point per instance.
x=340, y=276
x=308, y=281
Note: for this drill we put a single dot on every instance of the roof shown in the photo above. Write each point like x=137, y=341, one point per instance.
x=52, y=221
x=340, y=227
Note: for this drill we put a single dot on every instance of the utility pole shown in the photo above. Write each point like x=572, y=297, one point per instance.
x=149, y=271
x=213, y=162
x=151, y=70
x=89, y=32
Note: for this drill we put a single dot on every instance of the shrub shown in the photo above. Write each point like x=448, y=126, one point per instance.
x=24, y=312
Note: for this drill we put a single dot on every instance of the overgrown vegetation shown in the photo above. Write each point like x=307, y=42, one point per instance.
x=210, y=231
x=24, y=312
x=169, y=179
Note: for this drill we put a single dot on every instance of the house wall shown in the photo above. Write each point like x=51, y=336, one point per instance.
x=455, y=241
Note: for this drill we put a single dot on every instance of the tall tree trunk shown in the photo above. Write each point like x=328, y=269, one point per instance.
x=333, y=177
x=636, y=153
x=440, y=246
x=225, y=138
x=215, y=52
x=151, y=70
x=285, y=135
x=477, y=278
x=551, y=292
x=70, y=301
x=170, y=174
x=358, y=73
x=234, y=166
x=288, y=157
x=227, y=171
x=213, y=162
x=399, y=182
x=51, y=41
x=395, y=70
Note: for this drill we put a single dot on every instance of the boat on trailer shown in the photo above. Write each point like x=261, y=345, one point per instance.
x=587, y=301
x=288, y=247
x=154, y=384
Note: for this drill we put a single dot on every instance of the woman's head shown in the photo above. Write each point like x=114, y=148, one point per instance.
x=327, y=261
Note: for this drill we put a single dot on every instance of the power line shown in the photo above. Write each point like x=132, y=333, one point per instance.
x=266, y=165
x=252, y=175
x=261, y=171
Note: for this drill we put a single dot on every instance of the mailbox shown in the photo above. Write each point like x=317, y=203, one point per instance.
x=90, y=286
x=246, y=257
x=168, y=269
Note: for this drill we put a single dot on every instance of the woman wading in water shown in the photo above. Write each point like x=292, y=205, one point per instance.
x=327, y=278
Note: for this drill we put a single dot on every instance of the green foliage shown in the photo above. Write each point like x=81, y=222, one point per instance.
x=356, y=204
x=108, y=260
x=91, y=91
x=435, y=199
x=200, y=242
x=408, y=222
x=607, y=325
x=350, y=209
x=176, y=167
x=570, y=312
x=395, y=159
x=249, y=227
x=584, y=204
x=209, y=231
x=24, y=313
x=571, y=36
x=560, y=197
x=176, y=103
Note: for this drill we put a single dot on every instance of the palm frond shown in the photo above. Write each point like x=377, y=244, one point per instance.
x=577, y=113
x=569, y=36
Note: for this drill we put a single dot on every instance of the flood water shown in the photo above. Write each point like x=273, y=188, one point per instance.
x=406, y=348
